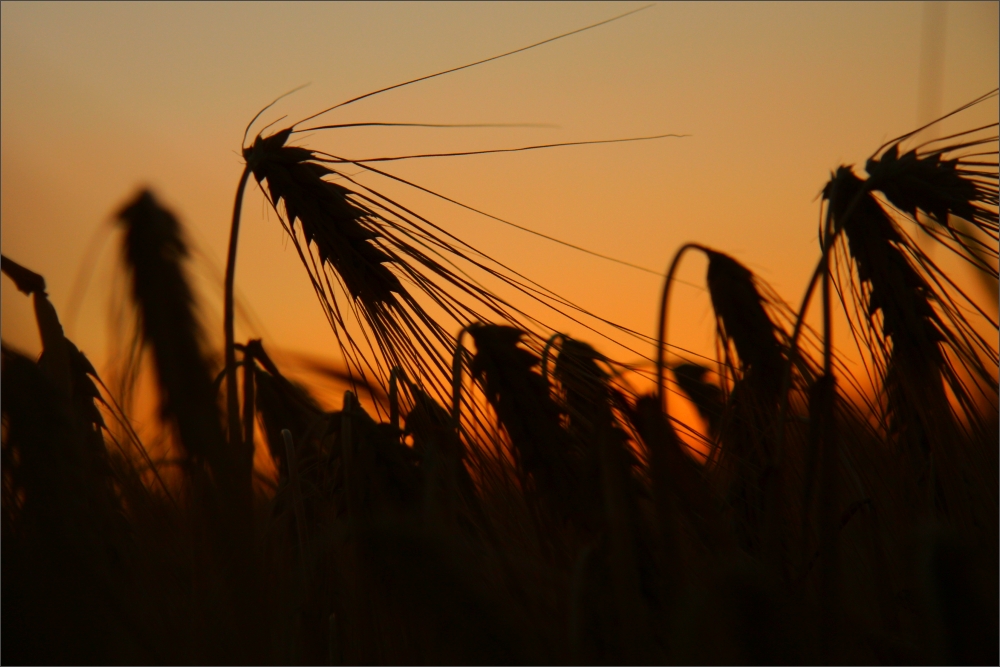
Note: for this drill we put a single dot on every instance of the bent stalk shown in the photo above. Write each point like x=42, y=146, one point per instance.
x=661, y=338
x=232, y=400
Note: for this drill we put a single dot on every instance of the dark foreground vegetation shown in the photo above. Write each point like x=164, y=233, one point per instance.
x=509, y=497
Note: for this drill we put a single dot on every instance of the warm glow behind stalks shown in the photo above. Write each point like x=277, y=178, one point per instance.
x=773, y=96
x=473, y=417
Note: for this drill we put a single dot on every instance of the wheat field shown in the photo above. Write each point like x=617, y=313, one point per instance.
x=492, y=490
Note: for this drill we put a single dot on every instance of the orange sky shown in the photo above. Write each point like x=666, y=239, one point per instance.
x=98, y=99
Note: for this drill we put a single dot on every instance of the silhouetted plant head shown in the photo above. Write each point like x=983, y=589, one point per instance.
x=927, y=355
x=371, y=245
x=342, y=232
x=936, y=186
x=154, y=254
x=952, y=180
x=393, y=264
x=584, y=383
x=897, y=289
x=739, y=307
x=501, y=365
x=262, y=149
x=532, y=419
x=589, y=399
x=918, y=314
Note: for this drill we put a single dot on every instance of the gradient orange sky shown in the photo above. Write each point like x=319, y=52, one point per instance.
x=100, y=99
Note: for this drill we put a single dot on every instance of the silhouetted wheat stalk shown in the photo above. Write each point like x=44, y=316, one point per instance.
x=376, y=265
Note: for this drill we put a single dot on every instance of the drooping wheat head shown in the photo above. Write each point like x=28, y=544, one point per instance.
x=934, y=363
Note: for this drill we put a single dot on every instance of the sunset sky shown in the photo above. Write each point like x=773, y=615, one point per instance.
x=101, y=99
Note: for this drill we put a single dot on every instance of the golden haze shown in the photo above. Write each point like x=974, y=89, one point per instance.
x=99, y=99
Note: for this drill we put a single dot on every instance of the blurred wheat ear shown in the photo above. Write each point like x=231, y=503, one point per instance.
x=155, y=252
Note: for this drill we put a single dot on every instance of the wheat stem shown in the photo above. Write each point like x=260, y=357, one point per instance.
x=456, y=380
x=828, y=235
x=830, y=238
x=232, y=401
x=661, y=338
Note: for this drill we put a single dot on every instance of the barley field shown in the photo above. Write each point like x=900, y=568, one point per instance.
x=819, y=487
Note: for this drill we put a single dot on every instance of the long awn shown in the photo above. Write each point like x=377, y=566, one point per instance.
x=393, y=285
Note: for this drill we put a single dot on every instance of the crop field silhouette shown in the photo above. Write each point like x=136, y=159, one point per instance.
x=494, y=490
